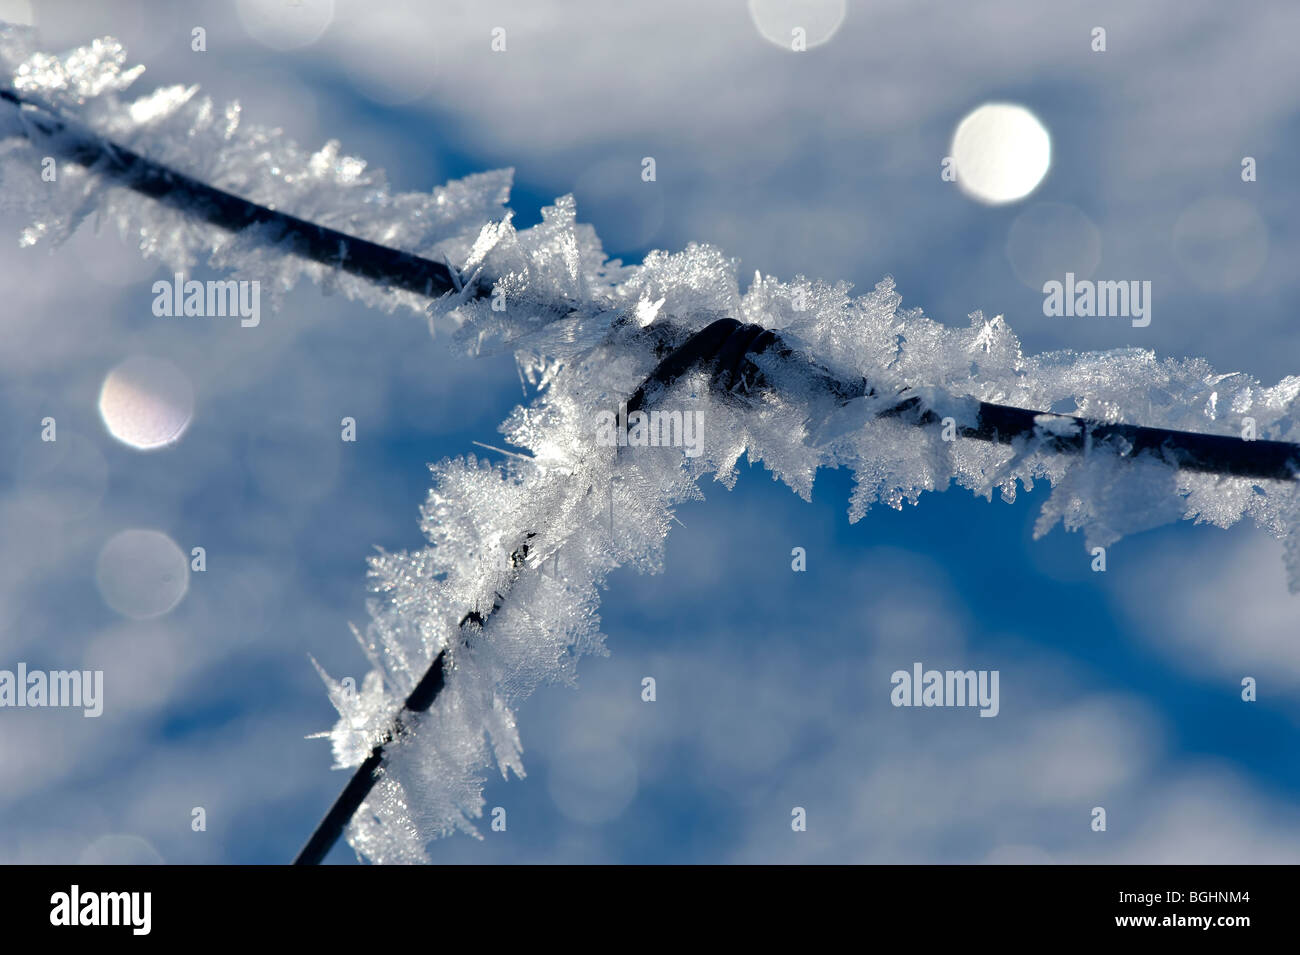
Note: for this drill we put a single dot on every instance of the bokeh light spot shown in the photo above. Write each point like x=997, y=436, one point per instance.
x=1002, y=152
x=142, y=573
x=146, y=403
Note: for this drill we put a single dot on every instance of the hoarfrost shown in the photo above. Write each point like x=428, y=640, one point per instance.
x=188, y=132
x=581, y=328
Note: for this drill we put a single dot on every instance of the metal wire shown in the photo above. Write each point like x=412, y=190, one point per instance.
x=726, y=345
x=361, y=257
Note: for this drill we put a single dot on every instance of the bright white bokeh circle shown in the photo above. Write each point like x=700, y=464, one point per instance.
x=1001, y=152
x=146, y=402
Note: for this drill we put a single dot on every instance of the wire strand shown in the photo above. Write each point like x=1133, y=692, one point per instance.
x=368, y=260
x=727, y=345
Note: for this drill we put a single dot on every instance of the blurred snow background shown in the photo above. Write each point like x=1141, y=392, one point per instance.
x=1118, y=689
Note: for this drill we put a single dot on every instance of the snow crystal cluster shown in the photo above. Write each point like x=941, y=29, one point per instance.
x=179, y=128
x=583, y=329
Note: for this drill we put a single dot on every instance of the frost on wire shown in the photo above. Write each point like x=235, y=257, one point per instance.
x=577, y=322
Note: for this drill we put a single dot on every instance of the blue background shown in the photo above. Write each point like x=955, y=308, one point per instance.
x=1119, y=689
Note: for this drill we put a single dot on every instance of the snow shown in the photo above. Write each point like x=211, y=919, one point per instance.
x=580, y=325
